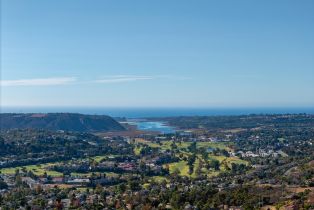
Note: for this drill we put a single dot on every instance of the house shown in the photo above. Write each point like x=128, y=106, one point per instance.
x=101, y=180
x=78, y=181
x=232, y=154
x=249, y=154
x=209, y=149
x=66, y=203
x=58, y=180
x=127, y=166
x=30, y=182
x=185, y=133
x=43, y=180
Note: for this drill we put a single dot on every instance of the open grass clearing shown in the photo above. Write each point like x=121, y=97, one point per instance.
x=164, y=145
x=180, y=166
x=38, y=170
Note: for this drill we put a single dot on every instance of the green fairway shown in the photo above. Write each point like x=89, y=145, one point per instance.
x=99, y=158
x=159, y=178
x=137, y=150
x=164, y=145
x=181, y=166
x=182, y=150
x=38, y=170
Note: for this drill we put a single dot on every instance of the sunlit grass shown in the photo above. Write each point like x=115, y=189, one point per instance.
x=180, y=166
x=38, y=170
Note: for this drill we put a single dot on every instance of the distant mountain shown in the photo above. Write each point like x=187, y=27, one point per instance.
x=60, y=121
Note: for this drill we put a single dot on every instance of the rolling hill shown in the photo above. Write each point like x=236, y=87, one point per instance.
x=60, y=121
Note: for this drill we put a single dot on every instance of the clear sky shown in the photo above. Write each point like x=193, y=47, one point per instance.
x=165, y=53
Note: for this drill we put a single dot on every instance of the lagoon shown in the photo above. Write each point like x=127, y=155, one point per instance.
x=152, y=126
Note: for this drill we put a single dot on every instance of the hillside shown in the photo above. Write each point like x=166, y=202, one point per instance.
x=60, y=121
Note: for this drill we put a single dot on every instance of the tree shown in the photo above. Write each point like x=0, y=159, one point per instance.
x=18, y=180
x=191, y=159
x=215, y=165
x=134, y=185
x=173, y=145
x=198, y=170
x=99, y=189
x=3, y=185
x=192, y=147
x=204, y=153
x=191, y=169
x=121, y=188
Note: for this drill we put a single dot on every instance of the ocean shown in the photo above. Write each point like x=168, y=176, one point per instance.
x=159, y=112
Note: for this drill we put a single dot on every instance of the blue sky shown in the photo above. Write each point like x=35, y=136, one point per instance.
x=157, y=53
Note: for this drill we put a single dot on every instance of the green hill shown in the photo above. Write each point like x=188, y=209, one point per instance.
x=60, y=121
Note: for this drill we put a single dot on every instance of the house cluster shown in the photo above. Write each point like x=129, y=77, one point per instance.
x=127, y=166
x=50, y=182
x=46, y=183
x=261, y=153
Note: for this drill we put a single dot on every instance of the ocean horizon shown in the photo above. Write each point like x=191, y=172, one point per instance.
x=160, y=112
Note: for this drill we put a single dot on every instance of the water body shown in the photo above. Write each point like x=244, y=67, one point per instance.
x=152, y=126
x=160, y=112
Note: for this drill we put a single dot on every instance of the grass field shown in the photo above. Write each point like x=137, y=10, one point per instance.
x=166, y=145
x=182, y=166
x=159, y=178
x=36, y=169
x=99, y=158
x=40, y=169
x=137, y=150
